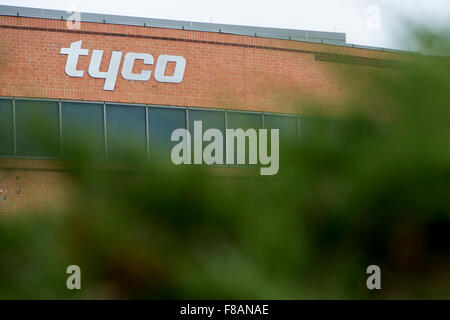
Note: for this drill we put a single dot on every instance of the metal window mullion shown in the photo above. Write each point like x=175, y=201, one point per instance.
x=226, y=121
x=61, y=152
x=226, y=138
x=105, y=140
x=147, y=133
x=14, y=125
x=187, y=128
x=187, y=118
x=298, y=130
x=262, y=121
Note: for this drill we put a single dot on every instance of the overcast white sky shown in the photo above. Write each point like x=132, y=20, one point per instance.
x=366, y=22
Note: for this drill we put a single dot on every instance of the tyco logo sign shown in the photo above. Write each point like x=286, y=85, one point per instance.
x=110, y=76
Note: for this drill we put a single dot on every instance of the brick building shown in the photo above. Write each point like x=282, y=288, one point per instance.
x=151, y=77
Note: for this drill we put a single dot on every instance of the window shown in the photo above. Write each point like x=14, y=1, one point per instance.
x=43, y=130
x=6, y=127
x=287, y=125
x=37, y=128
x=82, y=129
x=162, y=122
x=288, y=134
x=241, y=120
x=210, y=120
x=126, y=133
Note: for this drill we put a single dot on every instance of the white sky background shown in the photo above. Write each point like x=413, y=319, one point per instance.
x=366, y=22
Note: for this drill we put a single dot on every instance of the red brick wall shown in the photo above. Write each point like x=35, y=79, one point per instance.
x=223, y=71
x=33, y=186
x=48, y=186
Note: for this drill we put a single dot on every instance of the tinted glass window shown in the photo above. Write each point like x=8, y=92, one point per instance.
x=241, y=120
x=210, y=120
x=82, y=129
x=286, y=124
x=6, y=128
x=37, y=128
x=126, y=134
x=162, y=122
x=288, y=135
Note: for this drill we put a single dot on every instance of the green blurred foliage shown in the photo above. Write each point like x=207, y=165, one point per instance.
x=379, y=194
